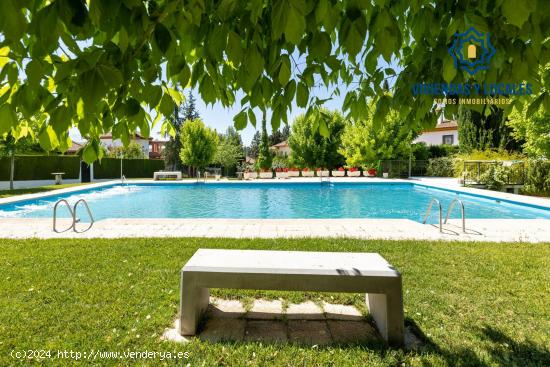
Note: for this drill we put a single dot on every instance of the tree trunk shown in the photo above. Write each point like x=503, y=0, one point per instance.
x=12, y=169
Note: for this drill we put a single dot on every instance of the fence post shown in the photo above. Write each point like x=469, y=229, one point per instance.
x=410, y=165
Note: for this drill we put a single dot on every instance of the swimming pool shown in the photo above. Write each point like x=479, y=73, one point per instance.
x=270, y=200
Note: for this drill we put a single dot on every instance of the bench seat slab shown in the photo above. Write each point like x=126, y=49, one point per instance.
x=367, y=273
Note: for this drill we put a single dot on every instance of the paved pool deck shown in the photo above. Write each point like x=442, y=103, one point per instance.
x=493, y=230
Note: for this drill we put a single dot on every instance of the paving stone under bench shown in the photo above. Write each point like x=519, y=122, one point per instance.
x=341, y=312
x=221, y=308
x=304, y=311
x=222, y=329
x=309, y=332
x=344, y=331
x=266, y=310
x=266, y=331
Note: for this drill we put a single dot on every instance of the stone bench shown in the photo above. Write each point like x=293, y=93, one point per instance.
x=167, y=175
x=347, y=272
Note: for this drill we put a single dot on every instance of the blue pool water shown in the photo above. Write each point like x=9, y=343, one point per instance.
x=270, y=200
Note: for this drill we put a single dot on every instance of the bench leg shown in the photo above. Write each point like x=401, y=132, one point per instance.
x=193, y=302
x=387, y=312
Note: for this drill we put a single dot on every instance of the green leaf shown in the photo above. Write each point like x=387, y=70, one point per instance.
x=61, y=119
x=4, y=59
x=302, y=95
x=12, y=20
x=34, y=72
x=111, y=75
x=123, y=39
x=295, y=23
x=353, y=39
x=8, y=118
x=323, y=128
x=535, y=105
x=517, y=12
x=132, y=107
x=254, y=67
x=90, y=152
x=176, y=95
x=80, y=109
x=48, y=139
x=167, y=127
x=284, y=70
x=207, y=90
x=449, y=70
x=234, y=49
x=278, y=18
x=152, y=95
x=184, y=76
x=382, y=110
x=167, y=105
x=252, y=117
x=93, y=88
x=162, y=37
x=321, y=11
x=320, y=46
x=240, y=120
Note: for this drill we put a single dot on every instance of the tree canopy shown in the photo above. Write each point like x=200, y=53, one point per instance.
x=104, y=65
x=363, y=145
x=198, y=144
x=534, y=130
x=312, y=149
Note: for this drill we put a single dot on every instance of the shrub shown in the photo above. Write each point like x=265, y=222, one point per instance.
x=40, y=167
x=131, y=168
x=537, y=179
x=494, y=177
x=440, y=167
x=279, y=161
x=436, y=151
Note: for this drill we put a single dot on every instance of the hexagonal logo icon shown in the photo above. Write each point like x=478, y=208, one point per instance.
x=472, y=51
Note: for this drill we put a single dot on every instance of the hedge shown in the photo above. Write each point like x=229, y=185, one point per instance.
x=40, y=167
x=131, y=168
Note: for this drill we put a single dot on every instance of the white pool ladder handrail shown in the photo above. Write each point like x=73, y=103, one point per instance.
x=434, y=200
x=462, y=212
x=55, y=215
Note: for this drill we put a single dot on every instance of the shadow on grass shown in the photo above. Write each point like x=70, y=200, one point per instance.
x=456, y=357
x=509, y=352
x=502, y=349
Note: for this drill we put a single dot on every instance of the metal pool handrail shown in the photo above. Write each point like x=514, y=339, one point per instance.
x=462, y=212
x=73, y=215
x=434, y=200
x=75, y=220
x=55, y=215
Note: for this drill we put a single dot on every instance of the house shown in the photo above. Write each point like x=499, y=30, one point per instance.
x=108, y=142
x=156, y=147
x=281, y=148
x=444, y=133
x=74, y=148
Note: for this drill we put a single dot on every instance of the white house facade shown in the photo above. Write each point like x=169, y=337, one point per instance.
x=444, y=133
x=108, y=142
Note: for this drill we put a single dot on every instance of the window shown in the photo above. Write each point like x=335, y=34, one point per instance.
x=448, y=139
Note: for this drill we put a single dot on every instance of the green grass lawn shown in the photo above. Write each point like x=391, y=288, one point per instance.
x=475, y=303
x=35, y=190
